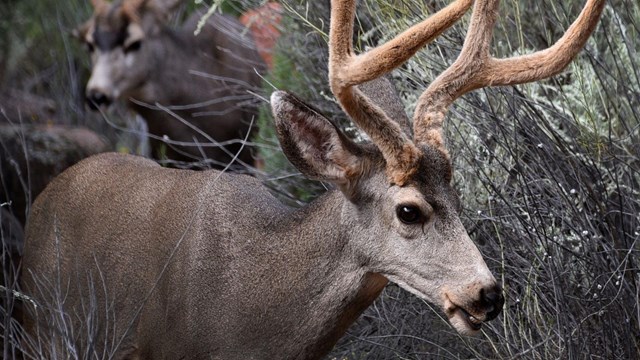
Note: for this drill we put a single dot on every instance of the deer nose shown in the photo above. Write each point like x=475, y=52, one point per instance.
x=96, y=99
x=492, y=300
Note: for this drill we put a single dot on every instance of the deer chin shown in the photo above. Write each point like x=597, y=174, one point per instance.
x=463, y=321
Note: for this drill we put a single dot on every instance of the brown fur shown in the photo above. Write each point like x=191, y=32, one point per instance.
x=206, y=265
x=218, y=267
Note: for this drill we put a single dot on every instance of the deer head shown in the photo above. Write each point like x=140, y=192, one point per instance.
x=401, y=203
x=116, y=36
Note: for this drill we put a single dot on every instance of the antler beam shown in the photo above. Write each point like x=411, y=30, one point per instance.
x=347, y=70
x=475, y=68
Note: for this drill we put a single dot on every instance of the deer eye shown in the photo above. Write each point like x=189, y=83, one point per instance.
x=89, y=47
x=134, y=46
x=409, y=214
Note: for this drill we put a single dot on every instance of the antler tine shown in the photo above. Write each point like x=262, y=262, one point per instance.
x=475, y=68
x=165, y=8
x=347, y=70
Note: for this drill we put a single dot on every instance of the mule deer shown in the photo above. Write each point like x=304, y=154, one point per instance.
x=210, y=265
x=205, y=80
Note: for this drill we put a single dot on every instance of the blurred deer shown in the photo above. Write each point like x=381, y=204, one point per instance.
x=204, y=265
x=202, y=84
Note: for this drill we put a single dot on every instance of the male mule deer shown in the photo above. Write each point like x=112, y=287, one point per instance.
x=205, y=80
x=186, y=264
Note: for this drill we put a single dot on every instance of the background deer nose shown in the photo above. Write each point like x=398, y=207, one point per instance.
x=96, y=98
x=492, y=299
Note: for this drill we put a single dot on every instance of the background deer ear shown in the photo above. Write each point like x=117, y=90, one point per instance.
x=312, y=143
x=80, y=32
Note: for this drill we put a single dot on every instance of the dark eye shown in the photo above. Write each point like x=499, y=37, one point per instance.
x=409, y=214
x=89, y=46
x=134, y=46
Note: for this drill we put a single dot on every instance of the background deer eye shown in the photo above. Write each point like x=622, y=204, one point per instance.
x=134, y=46
x=409, y=214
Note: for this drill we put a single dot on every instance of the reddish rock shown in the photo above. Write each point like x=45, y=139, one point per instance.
x=264, y=24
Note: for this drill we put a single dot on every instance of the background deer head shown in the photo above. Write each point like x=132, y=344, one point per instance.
x=195, y=92
x=115, y=37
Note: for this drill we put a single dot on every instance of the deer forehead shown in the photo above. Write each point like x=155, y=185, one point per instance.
x=431, y=181
x=409, y=195
x=110, y=32
x=429, y=196
x=428, y=189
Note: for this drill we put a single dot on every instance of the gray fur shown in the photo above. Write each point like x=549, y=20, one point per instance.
x=205, y=79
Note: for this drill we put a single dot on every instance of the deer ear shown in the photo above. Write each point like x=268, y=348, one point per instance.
x=311, y=142
x=81, y=31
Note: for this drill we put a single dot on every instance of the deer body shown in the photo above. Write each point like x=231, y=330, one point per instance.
x=203, y=80
x=306, y=280
x=183, y=264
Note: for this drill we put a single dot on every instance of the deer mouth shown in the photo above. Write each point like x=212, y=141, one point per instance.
x=97, y=100
x=462, y=320
x=471, y=321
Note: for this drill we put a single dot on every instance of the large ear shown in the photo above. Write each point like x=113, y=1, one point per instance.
x=80, y=32
x=312, y=143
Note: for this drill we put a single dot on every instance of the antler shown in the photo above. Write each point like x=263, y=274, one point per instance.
x=133, y=8
x=475, y=68
x=347, y=70
x=166, y=7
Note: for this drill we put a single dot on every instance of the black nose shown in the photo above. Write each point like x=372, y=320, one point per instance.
x=492, y=300
x=95, y=99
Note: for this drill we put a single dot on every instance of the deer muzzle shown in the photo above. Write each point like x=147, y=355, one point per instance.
x=467, y=316
x=97, y=99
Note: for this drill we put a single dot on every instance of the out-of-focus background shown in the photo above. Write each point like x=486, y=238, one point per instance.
x=548, y=173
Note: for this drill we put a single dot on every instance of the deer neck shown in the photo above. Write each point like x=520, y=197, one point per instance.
x=341, y=288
